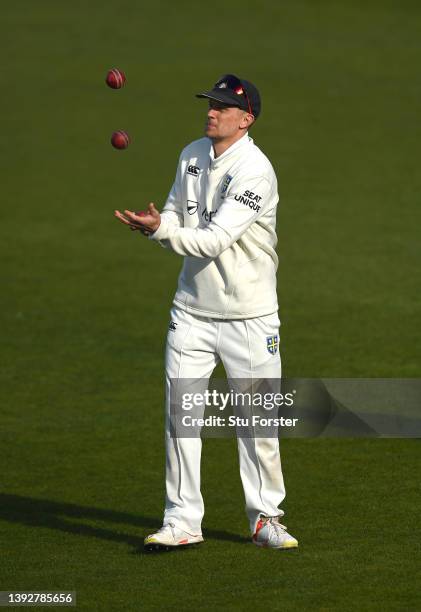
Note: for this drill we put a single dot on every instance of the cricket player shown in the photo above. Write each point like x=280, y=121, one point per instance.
x=220, y=216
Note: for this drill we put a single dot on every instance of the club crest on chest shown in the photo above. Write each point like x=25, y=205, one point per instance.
x=225, y=184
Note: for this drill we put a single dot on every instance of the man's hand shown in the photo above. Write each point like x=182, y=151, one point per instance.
x=147, y=223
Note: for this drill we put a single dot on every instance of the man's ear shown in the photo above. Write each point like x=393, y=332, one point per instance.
x=247, y=120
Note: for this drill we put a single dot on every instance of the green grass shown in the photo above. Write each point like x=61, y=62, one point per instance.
x=84, y=304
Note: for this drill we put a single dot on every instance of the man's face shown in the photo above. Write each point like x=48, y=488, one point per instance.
x=224, y=122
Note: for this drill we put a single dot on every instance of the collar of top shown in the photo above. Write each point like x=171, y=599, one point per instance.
x=230, y=152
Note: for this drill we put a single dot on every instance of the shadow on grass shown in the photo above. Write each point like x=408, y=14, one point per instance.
x=35, y=512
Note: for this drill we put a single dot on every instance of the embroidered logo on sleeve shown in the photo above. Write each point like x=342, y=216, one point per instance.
x=192, y=206
x=249, y=198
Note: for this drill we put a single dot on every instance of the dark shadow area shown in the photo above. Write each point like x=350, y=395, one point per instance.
x=35, y=512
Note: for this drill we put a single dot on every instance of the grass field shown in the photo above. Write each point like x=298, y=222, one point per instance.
x=84, y=303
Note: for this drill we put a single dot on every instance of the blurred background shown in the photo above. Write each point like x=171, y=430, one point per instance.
x=85, y=303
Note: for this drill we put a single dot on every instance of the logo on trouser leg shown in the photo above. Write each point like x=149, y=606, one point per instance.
x=272, y=343
x=172, y=326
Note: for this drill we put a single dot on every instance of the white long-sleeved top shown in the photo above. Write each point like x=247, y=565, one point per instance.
x=221, y=216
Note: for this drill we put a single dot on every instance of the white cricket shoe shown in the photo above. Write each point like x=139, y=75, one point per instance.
x=271, y=534
x=170, y=537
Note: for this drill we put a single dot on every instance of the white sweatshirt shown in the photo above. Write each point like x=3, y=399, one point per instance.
x=221, y=216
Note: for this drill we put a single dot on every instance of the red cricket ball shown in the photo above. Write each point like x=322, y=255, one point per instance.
x=141, y=213
x=120, y=140
x=115, y=78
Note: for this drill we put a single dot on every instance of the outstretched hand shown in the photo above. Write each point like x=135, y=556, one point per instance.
x=145, y=221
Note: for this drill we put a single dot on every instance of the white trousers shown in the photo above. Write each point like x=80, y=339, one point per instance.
x=195, y=345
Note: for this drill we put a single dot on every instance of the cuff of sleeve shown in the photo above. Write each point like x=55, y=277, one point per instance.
x=162, y=232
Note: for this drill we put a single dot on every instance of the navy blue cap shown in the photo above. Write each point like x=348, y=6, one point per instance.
x=237, y=92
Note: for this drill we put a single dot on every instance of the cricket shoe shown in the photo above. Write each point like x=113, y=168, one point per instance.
x=271, y=534
x=170, y=537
